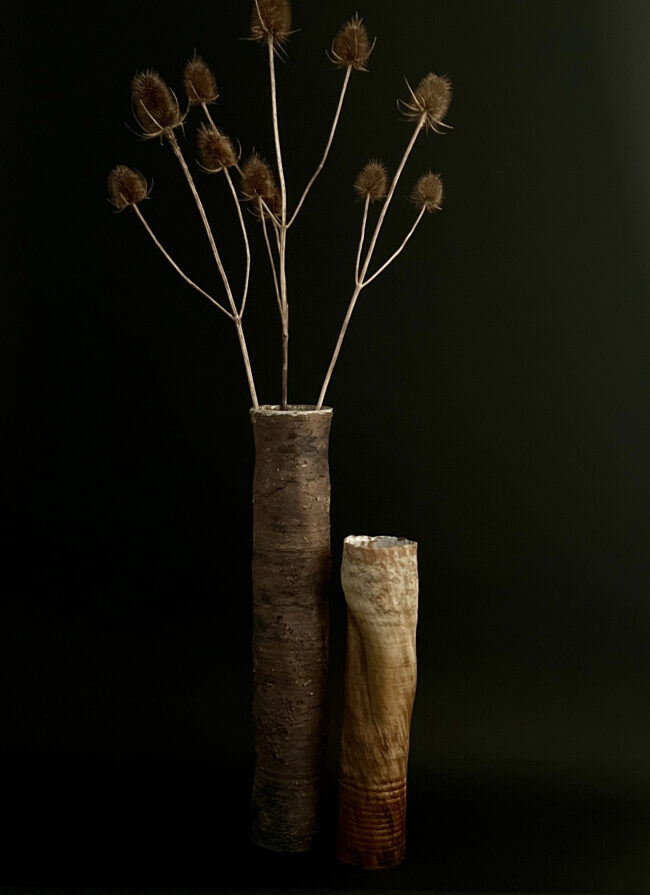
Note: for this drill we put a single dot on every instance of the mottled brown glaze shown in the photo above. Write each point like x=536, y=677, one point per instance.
x=291, y=567
x=380, y=580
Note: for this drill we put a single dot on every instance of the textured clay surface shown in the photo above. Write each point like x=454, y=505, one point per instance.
x=291, y=567
x=380, y=580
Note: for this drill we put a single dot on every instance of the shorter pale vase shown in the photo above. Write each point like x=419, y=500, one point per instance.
x=380, y=581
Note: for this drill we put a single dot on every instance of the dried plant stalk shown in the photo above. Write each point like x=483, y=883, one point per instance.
x=380, y=581
x=175, y=265
x=284, y=301
x=360, y=279
x=157, y=111
x=328, y=145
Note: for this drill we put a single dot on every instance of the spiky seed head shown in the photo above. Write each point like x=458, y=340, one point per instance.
x=126, y=187
x=215, y=149
x=372, y=181
x=428, y=192
x=271, y=21
x=257, y=180
x=200, y=84
x=352, y=46
x=431, y=99
x=154, y=105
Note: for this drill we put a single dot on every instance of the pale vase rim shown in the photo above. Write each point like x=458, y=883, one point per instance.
x=293, y=410
x=377, y=542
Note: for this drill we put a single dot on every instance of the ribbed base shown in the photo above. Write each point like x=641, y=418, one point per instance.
x=371, y=827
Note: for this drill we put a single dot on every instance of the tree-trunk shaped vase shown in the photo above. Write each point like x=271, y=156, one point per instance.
x=291, y=568
x=380, y=581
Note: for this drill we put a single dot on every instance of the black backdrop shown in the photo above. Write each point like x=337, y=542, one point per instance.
x=491, y=401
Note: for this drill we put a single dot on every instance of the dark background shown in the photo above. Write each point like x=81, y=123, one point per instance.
x=491, y=401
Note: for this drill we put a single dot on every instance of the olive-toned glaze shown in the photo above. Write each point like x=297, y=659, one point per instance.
x=291, y=567
x=380, y=580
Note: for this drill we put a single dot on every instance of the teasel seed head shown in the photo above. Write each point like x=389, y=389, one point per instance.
x=257, y=180
x=126, y=187
x=215, y=149
x=430, y=99
x=200, y=84
x=271, y=21
x=372, y=181
x=428, y=192
x=154, y=105
x=352, y=46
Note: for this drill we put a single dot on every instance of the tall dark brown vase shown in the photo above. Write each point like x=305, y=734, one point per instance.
x=291, y=568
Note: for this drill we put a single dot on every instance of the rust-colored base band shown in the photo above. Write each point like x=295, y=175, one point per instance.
x=371, y=828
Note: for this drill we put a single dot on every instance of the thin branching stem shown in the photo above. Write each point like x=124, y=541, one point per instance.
x=361, y=240
x=369, y=280
x=391, y=192
x=321, y=165
x=276, y=222
x=175, y=265
x=204, y=106
x=337, y=350
x=271, y=258
x=199, y=204
x=236, y=317
x=283, y=230
x=360, y=280
x=246, y=243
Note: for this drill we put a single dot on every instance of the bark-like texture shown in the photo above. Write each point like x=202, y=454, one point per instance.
x=291, y=567
x=380, y=580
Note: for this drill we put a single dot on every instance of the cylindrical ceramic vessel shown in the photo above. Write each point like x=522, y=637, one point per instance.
x=291, y=568
x=380, y=581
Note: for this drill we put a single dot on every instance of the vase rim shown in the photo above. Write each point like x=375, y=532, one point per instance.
x=378, y=542
x=292, y=410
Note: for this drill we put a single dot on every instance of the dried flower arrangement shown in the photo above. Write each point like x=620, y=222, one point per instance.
x=158, y=114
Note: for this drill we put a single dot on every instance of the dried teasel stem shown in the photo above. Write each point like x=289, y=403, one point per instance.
x=373, y=242
x=236, y=315
x=361, y=239
x=427, y=196
x=210, y=119
x=369, y=280
x=391, y=192
x=272, y=216
x=246, y=243
x=321, y=164
x=283, y=229
x=263, y=217
x=199, y=204
x=176, y=267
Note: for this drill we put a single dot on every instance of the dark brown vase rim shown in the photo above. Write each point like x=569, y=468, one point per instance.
x=292, y=410
x=368, y=542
